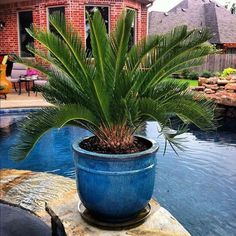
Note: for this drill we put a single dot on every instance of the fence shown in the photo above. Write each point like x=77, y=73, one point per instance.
x=218, y=62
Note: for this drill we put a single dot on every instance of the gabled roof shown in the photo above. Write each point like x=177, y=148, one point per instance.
x=197, y=14
x=226, y=25
x=183, y=4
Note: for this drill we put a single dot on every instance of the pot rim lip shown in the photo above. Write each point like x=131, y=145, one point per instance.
x=150, y=150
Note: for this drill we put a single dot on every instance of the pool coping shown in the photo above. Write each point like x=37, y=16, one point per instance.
x=63, y=199
x=13, y=111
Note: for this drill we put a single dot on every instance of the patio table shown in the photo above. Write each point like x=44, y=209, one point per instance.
x=27, y=80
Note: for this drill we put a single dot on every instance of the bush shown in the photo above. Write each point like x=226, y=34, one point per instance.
x=228, y=71
x=185, y=73
x=218, y=74
x=193, y=76
x=206, y=74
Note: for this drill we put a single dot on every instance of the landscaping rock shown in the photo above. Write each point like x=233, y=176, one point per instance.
x=230, y=91
x=231, y=77
x=212, y=80
x=198, y=88
x=222, y=91
x=223, y=98
x=212, y=86
x=230, y=86
x=222, y=82
x=209, y=91
x=201, y=81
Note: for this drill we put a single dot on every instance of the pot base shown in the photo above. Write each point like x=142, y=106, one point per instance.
x=114, y=225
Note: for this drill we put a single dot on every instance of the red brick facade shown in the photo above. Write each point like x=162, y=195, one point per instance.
x=74, y=12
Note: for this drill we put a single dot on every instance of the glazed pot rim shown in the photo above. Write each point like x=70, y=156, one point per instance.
x=154, y=147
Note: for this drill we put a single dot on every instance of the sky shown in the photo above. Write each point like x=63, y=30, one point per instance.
x=166, y=5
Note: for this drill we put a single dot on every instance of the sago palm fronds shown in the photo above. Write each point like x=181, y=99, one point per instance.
x=115, y=90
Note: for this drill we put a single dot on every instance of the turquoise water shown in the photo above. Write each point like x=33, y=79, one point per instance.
x=198, y=187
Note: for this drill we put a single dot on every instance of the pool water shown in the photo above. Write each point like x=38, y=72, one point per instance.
x=198, y=187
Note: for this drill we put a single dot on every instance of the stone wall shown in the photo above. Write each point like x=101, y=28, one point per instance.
x=220, y=90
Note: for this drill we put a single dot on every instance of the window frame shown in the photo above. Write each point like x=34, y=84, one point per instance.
x=49, y=7
x=109, y=18
x=19, y=33
x=135, y=23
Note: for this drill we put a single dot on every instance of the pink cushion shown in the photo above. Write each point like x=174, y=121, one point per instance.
x=31, y=72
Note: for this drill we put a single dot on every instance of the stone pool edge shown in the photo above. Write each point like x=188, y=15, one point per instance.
x=32, y=189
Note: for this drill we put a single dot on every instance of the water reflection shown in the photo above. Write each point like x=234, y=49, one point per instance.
x=198, y=186
x=223, y=137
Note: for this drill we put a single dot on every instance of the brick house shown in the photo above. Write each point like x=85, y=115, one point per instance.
x=198, y=14
x=16, y=15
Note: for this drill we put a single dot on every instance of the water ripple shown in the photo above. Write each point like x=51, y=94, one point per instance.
x=198, y=187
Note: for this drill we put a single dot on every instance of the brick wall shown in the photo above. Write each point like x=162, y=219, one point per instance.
x=74, y=11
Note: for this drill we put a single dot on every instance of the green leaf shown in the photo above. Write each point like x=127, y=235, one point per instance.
x=117, y=90
x=38, y=124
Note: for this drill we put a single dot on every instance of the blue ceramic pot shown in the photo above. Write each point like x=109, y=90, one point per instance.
x=115, y=187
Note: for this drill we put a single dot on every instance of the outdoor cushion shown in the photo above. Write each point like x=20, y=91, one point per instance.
x=18, y=71
x=18, y=66
x=13, y=80
x=31, y=72
x=40, y=82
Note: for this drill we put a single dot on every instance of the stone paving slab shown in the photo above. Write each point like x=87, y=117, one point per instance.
x=18, y=101
x=32, y=189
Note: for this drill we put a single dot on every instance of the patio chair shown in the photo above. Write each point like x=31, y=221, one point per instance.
x=18, y=70
x=39, y=83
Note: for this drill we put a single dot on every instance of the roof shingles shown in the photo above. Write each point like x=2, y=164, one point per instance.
x=197, y=14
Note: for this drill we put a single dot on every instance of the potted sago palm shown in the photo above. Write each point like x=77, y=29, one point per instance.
x=112, y=92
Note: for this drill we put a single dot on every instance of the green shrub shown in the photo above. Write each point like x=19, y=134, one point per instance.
x=217, y=73
x=193, y=76
x=228, y=71
x=206, y=74
x=185, y=73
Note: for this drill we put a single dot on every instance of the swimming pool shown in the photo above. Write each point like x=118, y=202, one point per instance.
x=198, y=187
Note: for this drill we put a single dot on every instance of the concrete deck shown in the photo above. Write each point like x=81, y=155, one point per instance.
x=32, y=189
x=22, y=101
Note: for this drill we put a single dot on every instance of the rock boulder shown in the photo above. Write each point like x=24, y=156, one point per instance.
x=230, y=86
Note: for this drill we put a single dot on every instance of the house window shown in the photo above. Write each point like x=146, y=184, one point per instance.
x=105, y=15
x=52, y=10
x=133, y=32
x=25, y=20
